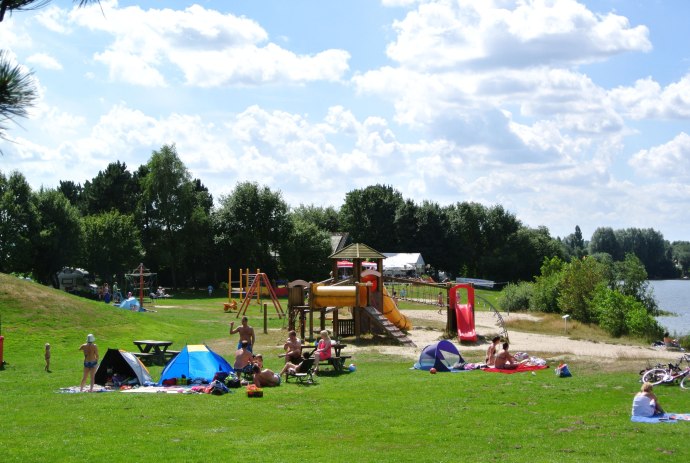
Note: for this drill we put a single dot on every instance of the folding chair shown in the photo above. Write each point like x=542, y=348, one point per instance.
x=304, y=373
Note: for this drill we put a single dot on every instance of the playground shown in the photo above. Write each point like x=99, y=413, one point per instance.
x=381, y=412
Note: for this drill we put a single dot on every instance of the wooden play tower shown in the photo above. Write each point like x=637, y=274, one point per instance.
x=363, y=294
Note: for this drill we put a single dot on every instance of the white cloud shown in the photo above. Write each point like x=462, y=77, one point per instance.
x=648, y=100
x=209, y=48
x=670, y=160
x=45, y=61
x=53, y=19
x=447, y=34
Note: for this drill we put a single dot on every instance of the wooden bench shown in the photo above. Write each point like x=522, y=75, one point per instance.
x=170, y=354
x=145, y=357
x=338, y=363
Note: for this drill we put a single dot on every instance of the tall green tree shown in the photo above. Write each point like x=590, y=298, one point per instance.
x=368, y=215
x=250, y=226
x=324, y=218
x=680, y=251
x=430, y=236
x=575, y=244
x=466, y=240
x=168, y=201
x=112, y=244
x=60, y=238
x=114, y=188
x=604, y=240
x=18, y=224
x=304, y=253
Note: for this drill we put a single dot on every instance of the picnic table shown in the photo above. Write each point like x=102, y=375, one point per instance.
x=337, y=360
x=155, y=352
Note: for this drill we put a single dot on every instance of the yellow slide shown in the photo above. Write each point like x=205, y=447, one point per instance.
x=390, y=310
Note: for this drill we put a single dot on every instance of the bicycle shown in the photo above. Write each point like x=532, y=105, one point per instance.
x=670, y=375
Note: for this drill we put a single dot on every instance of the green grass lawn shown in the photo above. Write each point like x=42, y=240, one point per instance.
x=382, y=412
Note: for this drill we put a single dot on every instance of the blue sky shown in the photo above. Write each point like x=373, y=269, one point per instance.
x=566, y=113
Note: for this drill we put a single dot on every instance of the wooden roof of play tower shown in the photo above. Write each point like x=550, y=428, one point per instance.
x=357, y=251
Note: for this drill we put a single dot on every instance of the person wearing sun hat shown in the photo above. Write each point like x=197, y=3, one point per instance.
x=90, y=361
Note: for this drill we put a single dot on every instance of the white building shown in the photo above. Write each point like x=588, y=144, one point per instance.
x=403, y=264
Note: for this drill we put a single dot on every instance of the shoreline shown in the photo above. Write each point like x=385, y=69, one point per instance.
x=532, y=343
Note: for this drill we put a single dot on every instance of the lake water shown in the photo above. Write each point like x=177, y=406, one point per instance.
x=673, y=296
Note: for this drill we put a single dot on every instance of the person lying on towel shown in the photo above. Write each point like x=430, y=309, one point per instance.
x=506, y=361
x=265, y=378
x=645, y=402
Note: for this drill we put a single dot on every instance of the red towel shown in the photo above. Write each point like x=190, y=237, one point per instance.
x=520, y=369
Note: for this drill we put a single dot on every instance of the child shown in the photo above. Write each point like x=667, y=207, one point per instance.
x=440, y=303
x=47, y=357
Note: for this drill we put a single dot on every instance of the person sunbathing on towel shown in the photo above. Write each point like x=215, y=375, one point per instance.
x=504, y=360
x=265, y=378
x=645, y=402
x=491, y=351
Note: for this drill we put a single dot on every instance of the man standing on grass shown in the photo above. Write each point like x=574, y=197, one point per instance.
x=246, y=333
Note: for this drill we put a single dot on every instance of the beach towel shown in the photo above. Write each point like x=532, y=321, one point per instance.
x=665, y=418
x=520, y=369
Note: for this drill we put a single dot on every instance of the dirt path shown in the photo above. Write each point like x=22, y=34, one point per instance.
x=525, y=342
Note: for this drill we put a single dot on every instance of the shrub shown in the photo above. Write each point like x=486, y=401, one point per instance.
x=641, y=323
x=516, y=297
x=545, y=294
x=609, y=308
x=580, y=279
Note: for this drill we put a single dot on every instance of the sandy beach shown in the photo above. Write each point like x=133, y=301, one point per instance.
x=548, y=346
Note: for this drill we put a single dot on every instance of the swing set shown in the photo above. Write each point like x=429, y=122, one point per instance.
x=250, y=286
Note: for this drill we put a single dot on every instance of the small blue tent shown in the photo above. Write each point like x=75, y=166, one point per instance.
x=441, y=355
x=196, y=361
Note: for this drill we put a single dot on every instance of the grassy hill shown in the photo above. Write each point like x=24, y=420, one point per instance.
x=382, y=412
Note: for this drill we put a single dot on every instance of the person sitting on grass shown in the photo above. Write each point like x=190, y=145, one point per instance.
x=258, y=360
x=293, y=348
x=645, y=402
x=243, y=356
x=491, y=351
x=265, y=378
x=504, y=360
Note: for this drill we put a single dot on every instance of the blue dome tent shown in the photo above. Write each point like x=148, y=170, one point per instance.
x=441, y=355
x=196, y=361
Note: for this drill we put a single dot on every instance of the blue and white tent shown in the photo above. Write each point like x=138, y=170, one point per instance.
x=442, y=355
x=196, y=361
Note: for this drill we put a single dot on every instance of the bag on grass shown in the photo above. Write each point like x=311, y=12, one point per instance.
x=218, y=388
x=563, y=371
x=233, y=382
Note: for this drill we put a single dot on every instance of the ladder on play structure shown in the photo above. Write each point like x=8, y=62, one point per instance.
x=390, y=329
x=254, y=289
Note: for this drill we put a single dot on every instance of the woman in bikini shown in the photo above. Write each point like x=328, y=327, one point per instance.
x=90, y=361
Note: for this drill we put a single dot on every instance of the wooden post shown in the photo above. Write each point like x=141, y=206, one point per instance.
x=302, y=323
x=335, y=323
x=322, y=317
x=356, y=316
x=265, y=319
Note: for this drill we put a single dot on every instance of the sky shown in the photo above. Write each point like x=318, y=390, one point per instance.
x=563, y=112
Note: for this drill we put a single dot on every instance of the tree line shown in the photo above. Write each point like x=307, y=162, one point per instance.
x=161, y=216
